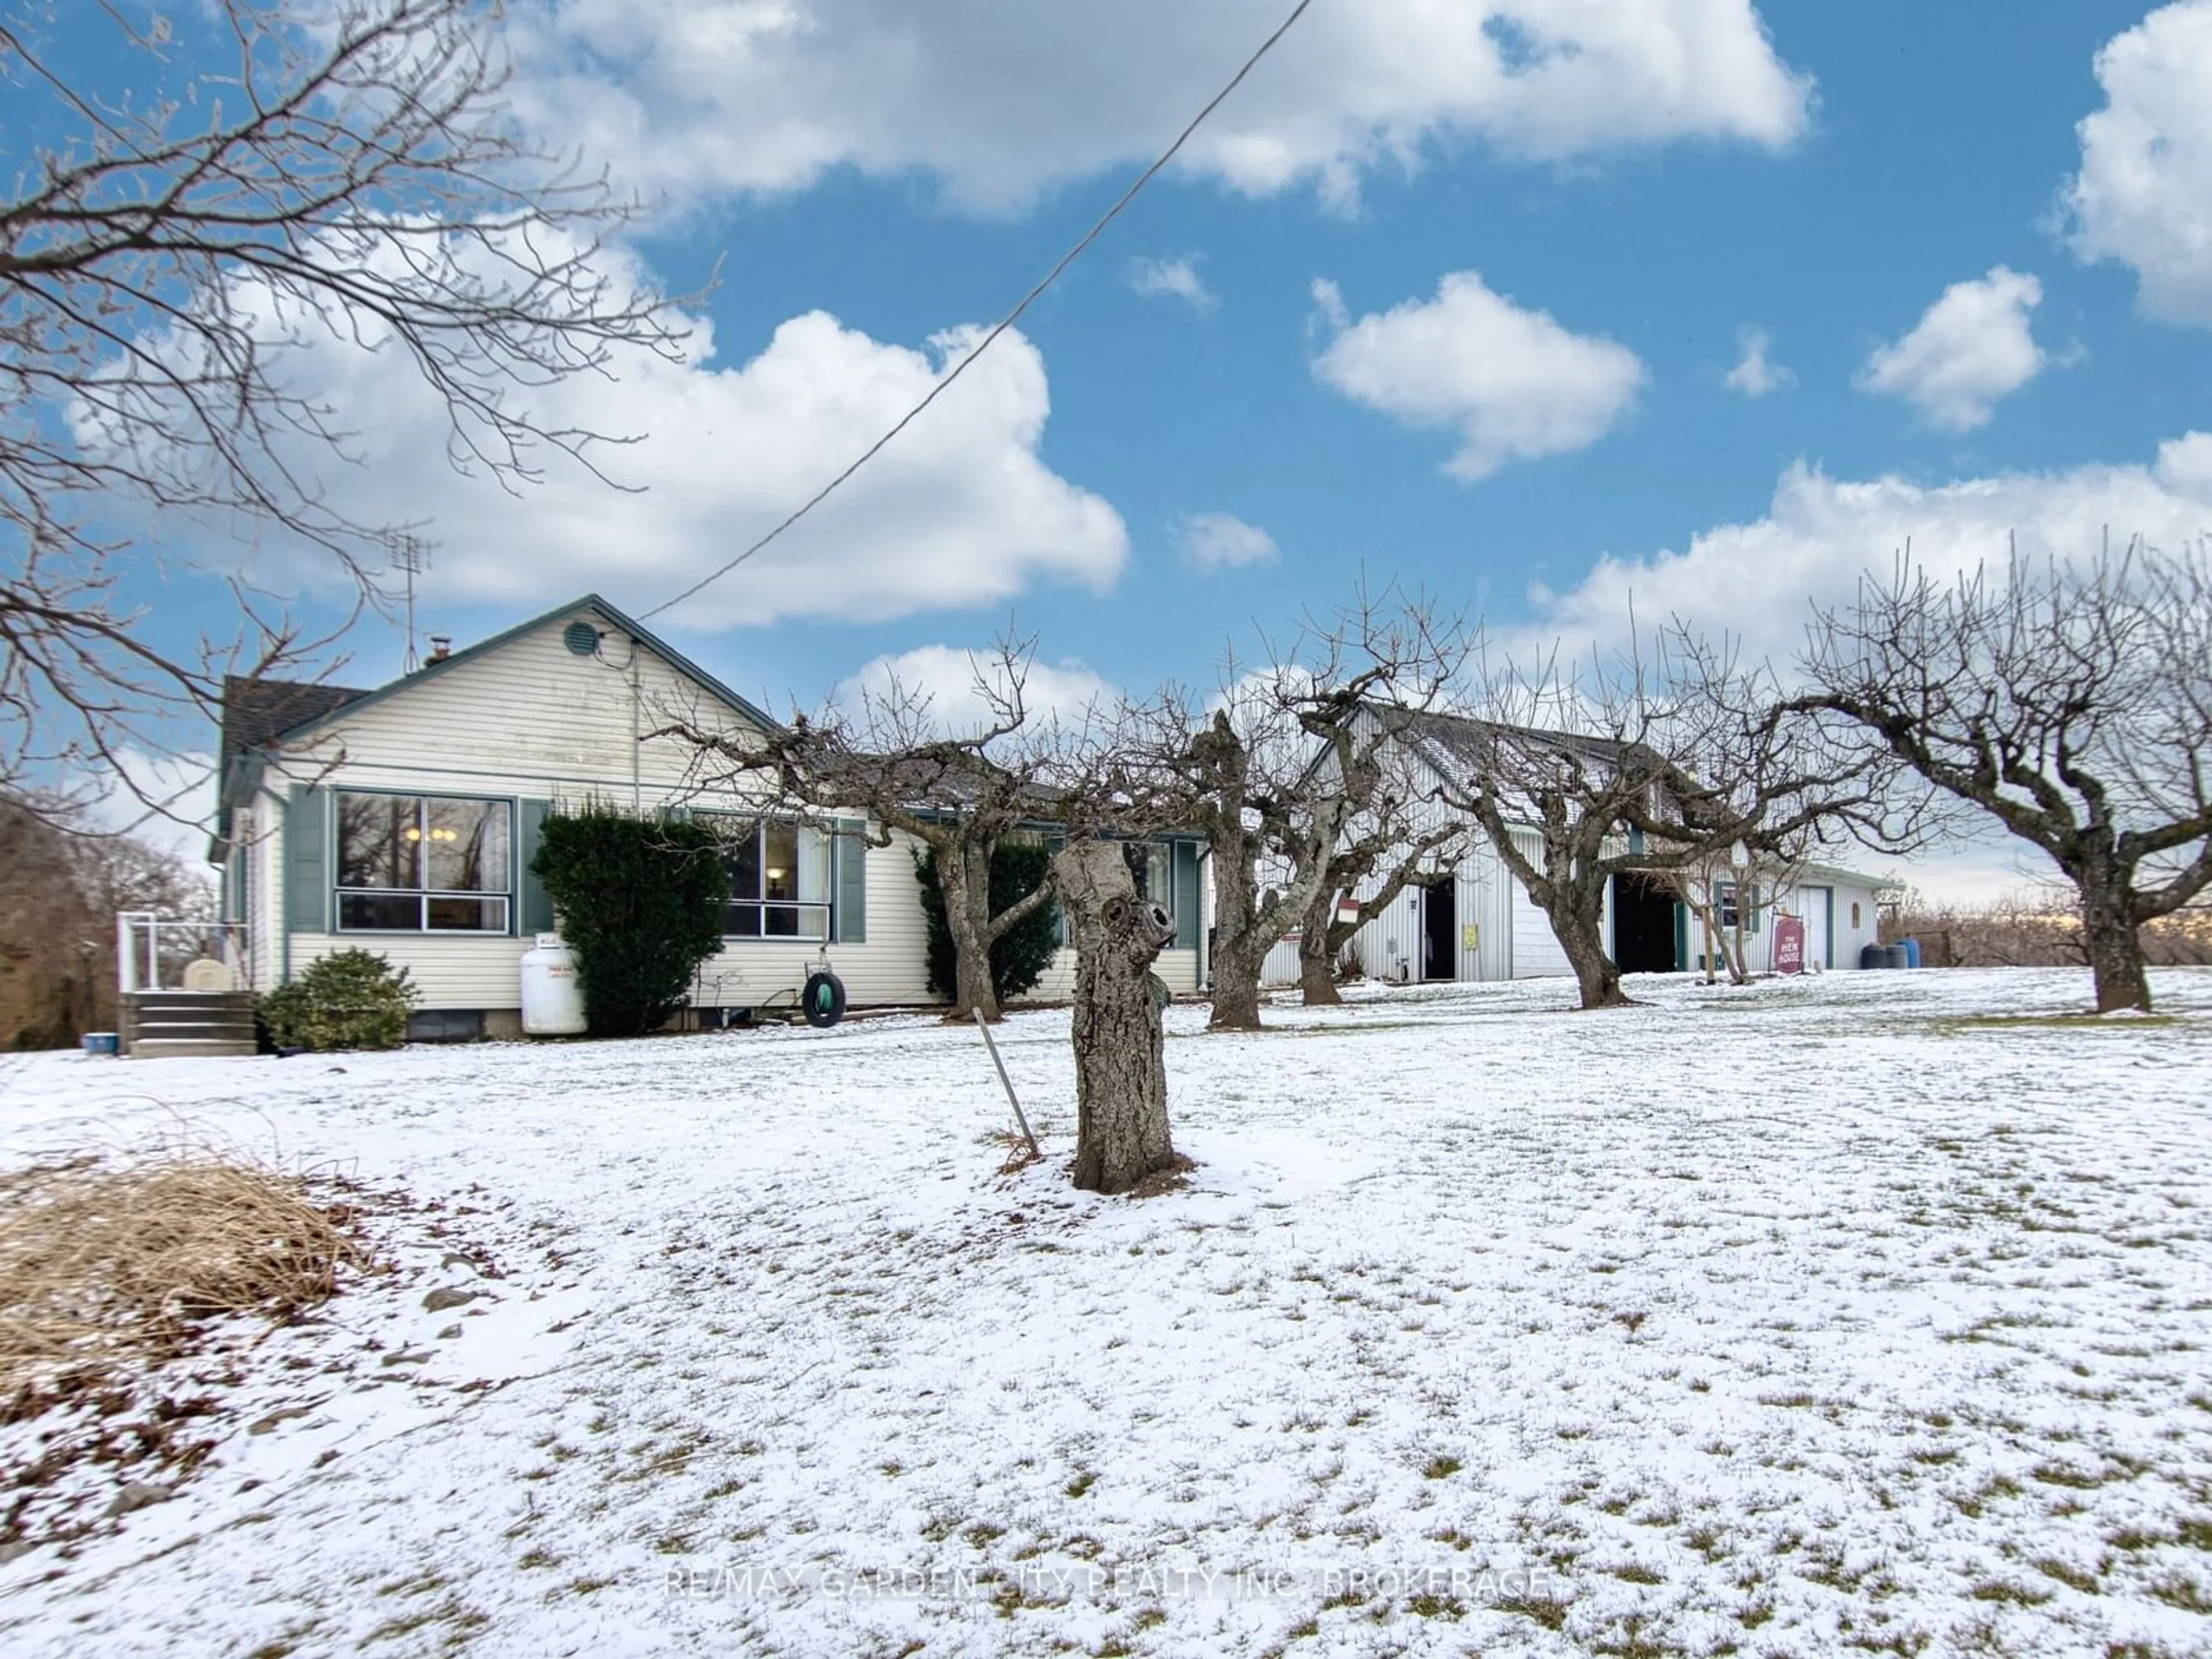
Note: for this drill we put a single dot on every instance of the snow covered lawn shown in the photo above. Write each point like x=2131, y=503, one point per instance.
x=1867, y=1313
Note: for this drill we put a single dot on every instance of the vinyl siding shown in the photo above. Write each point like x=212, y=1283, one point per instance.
x=1178, y=968
x=530, y=718
x=532, y=721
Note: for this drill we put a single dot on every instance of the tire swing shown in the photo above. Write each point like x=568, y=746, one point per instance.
x=823, y=1002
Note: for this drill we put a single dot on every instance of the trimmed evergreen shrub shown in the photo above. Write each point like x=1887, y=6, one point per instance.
x=347, y=999
x=641, y=904
x=1024, y=951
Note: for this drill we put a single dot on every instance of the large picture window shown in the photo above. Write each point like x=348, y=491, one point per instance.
x=779, y=884
x=424, y=864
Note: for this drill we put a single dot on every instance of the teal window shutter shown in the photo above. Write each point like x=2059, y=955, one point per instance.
x=1186, y=894
x=851, y=877
x=1750, y=916
x=536, y=905
x=307, y=861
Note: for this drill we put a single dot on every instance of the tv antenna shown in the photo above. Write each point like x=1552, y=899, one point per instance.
x=410, y=558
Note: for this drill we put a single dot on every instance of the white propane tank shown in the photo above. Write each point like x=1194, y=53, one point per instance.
x=552, y=1000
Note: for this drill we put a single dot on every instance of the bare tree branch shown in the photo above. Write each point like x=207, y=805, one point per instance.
x=165, y=259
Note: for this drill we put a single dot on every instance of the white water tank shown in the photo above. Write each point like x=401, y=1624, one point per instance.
x=552, y=998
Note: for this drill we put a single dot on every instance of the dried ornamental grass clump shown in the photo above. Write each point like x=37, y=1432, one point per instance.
x=105, y=1265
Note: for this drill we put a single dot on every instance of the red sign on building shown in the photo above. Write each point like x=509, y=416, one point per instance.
x=1789, y=945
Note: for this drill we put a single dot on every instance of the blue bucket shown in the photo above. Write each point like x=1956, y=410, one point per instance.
x=101, y=1043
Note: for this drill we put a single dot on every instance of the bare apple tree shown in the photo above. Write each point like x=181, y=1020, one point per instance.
x=1284, y=766
x=2072, y=703
x=1121, y=1131
x=1392, y=846
x=1658, y=763
x=959, y=790
x=227, y=186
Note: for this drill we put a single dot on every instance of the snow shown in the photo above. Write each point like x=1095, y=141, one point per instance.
x=1868, y=1311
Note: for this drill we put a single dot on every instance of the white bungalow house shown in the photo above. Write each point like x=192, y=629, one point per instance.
x=1475, y=921
x=403, y=819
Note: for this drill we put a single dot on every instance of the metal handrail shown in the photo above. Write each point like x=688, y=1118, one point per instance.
x=151, y=950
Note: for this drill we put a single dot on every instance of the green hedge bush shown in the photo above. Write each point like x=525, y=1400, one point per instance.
x=347, y=999
x=641, y=903
x=1021, y=955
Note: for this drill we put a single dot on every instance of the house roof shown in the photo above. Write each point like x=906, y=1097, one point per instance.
x=645, y=636
x=259, y=713
x=1459, y=738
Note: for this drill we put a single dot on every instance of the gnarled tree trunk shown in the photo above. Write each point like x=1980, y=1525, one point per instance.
x=964, y=873
x=1316, y=951
x=1121, y=1068
x=1597, y=976
x=2109, y=936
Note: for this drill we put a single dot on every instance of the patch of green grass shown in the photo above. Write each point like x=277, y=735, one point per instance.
x=2019, y=1595
x=1635, y=1573
x=1632, y=1644
x=1966, y=1024
x=2180, y=1590
x=1549, y=1611
x=2074, y=1578
x=1440, y=1467
x=2065, y=1475
x=1083, y=1482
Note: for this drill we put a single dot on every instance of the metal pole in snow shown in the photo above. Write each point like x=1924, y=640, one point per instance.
x=983, y=1026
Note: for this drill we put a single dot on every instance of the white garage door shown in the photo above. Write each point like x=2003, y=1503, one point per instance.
x=1815, y=904
x=1536, y=951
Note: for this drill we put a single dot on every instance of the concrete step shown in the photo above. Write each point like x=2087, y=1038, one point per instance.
x=189, y=1047
x=224, y=1030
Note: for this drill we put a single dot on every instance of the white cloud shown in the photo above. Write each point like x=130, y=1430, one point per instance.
x=1515, y=384
x=2143, y=195
x=947, y=676
x=1758, y=580
x=1219, y=541
x=1971, y=347
x=999, y=102
x=960, y=510
x=167, y=801
x=1177, y=277
x=1755, y=374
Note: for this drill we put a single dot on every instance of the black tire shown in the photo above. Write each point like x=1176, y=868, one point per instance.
x=823, y=1002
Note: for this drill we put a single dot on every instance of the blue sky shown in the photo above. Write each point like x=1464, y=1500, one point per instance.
x=1613, y=213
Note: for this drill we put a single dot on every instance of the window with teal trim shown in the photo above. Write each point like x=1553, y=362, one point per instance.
x=424, y=864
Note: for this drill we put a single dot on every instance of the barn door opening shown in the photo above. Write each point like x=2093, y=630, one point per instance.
x=1440, y=929
x=1643, y=926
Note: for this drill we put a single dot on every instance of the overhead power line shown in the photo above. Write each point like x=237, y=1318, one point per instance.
x=1005, y=323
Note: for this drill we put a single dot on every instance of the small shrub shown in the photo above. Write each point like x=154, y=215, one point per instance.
x=347, y=999
x=1020, y=956
x=641, y=903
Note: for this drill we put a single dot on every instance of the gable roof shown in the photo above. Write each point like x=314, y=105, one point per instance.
x=1462, y=738
x=257, y=713
x=310, y=715
x=651, y=642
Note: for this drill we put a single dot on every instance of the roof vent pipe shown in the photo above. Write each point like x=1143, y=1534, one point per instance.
x=442, y=647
